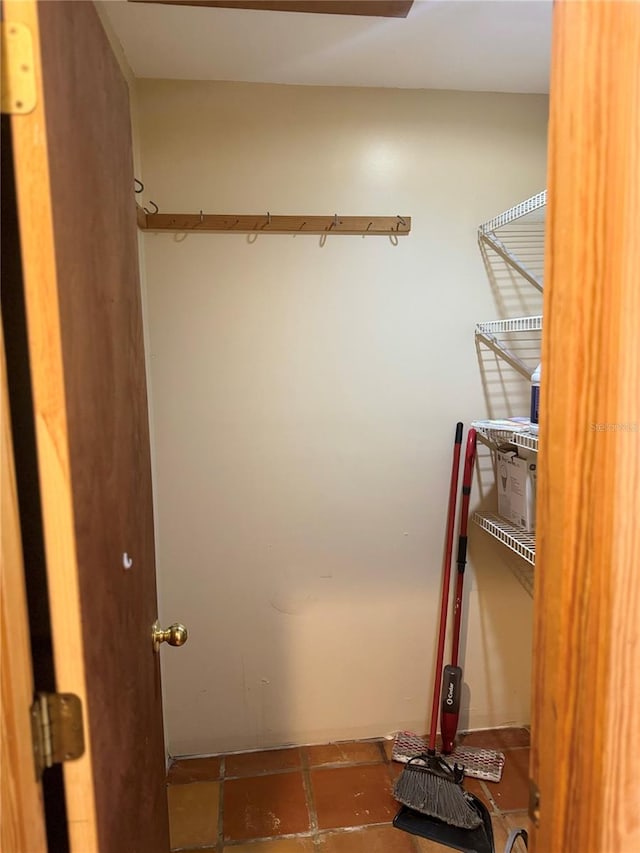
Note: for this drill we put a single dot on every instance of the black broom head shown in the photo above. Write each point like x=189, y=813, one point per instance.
x=430, y=785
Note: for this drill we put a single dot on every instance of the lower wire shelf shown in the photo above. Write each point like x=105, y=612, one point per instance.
x=521, y=543
x=524, y=544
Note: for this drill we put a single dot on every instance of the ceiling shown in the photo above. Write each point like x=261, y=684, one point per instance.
x=470, y=45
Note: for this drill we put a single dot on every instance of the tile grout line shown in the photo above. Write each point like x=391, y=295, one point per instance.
x=487, y=793
x=264, y=839
x=221, y=773
x=388, y=760
x=383, y=752
x=305, y=767
x=347, y=830
x=514, y=811
x=416, y=843
x=283, y=748
x=308, y=791
x=335, y=766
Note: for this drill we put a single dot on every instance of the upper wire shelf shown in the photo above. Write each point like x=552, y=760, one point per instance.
x=516, y=212
x=525, y=258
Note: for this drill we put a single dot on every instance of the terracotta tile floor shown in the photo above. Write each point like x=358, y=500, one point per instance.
x=323, y=799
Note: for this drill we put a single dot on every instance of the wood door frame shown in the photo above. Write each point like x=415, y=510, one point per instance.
x=584, y=743
x=586, y=684
x=41, y=298
x=23, y=824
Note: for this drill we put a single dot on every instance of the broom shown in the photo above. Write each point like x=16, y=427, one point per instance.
x=428, y=783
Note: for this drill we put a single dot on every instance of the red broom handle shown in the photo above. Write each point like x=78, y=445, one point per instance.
x=469, y=461
x=446, y=581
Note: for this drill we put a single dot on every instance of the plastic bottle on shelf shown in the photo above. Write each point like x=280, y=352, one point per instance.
x=535, y=398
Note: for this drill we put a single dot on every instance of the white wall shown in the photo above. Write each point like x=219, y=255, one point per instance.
x=304, y=403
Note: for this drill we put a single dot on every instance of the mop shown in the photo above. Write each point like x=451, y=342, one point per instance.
x=452, y=675
x=479, y=763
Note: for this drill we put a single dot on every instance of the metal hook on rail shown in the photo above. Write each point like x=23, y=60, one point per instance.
x=136, y=182
x=151, y=211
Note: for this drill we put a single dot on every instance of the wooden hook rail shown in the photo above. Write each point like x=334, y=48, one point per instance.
x=268, y=224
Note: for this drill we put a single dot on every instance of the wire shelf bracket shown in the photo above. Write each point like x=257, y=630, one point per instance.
x=499, y=248
x=524, y=573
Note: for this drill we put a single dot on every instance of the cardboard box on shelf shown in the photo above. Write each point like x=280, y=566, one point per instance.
x=516, y=478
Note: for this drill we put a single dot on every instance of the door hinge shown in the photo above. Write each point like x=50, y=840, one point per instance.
x=57, y=729
x=18, y=69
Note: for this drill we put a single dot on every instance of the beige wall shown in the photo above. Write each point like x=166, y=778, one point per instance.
x=304, y=401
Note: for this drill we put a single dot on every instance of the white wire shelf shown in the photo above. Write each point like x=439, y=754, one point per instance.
x=522, y=544
x=495, y=434
x=516, y=212
x=526, y=437
x=488, y=332
x=514, y=324
x=525, y=258
x=521, y=247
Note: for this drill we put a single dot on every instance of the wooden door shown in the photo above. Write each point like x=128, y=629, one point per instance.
x=586, y=720
x=76, y=210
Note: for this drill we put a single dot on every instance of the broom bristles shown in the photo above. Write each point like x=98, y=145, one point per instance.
x=435, y=791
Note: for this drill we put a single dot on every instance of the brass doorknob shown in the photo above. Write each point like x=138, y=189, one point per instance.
x=175, y=635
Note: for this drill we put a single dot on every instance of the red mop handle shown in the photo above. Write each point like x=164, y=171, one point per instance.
x=469, y=461
x=446, y=581
x=452, y=676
